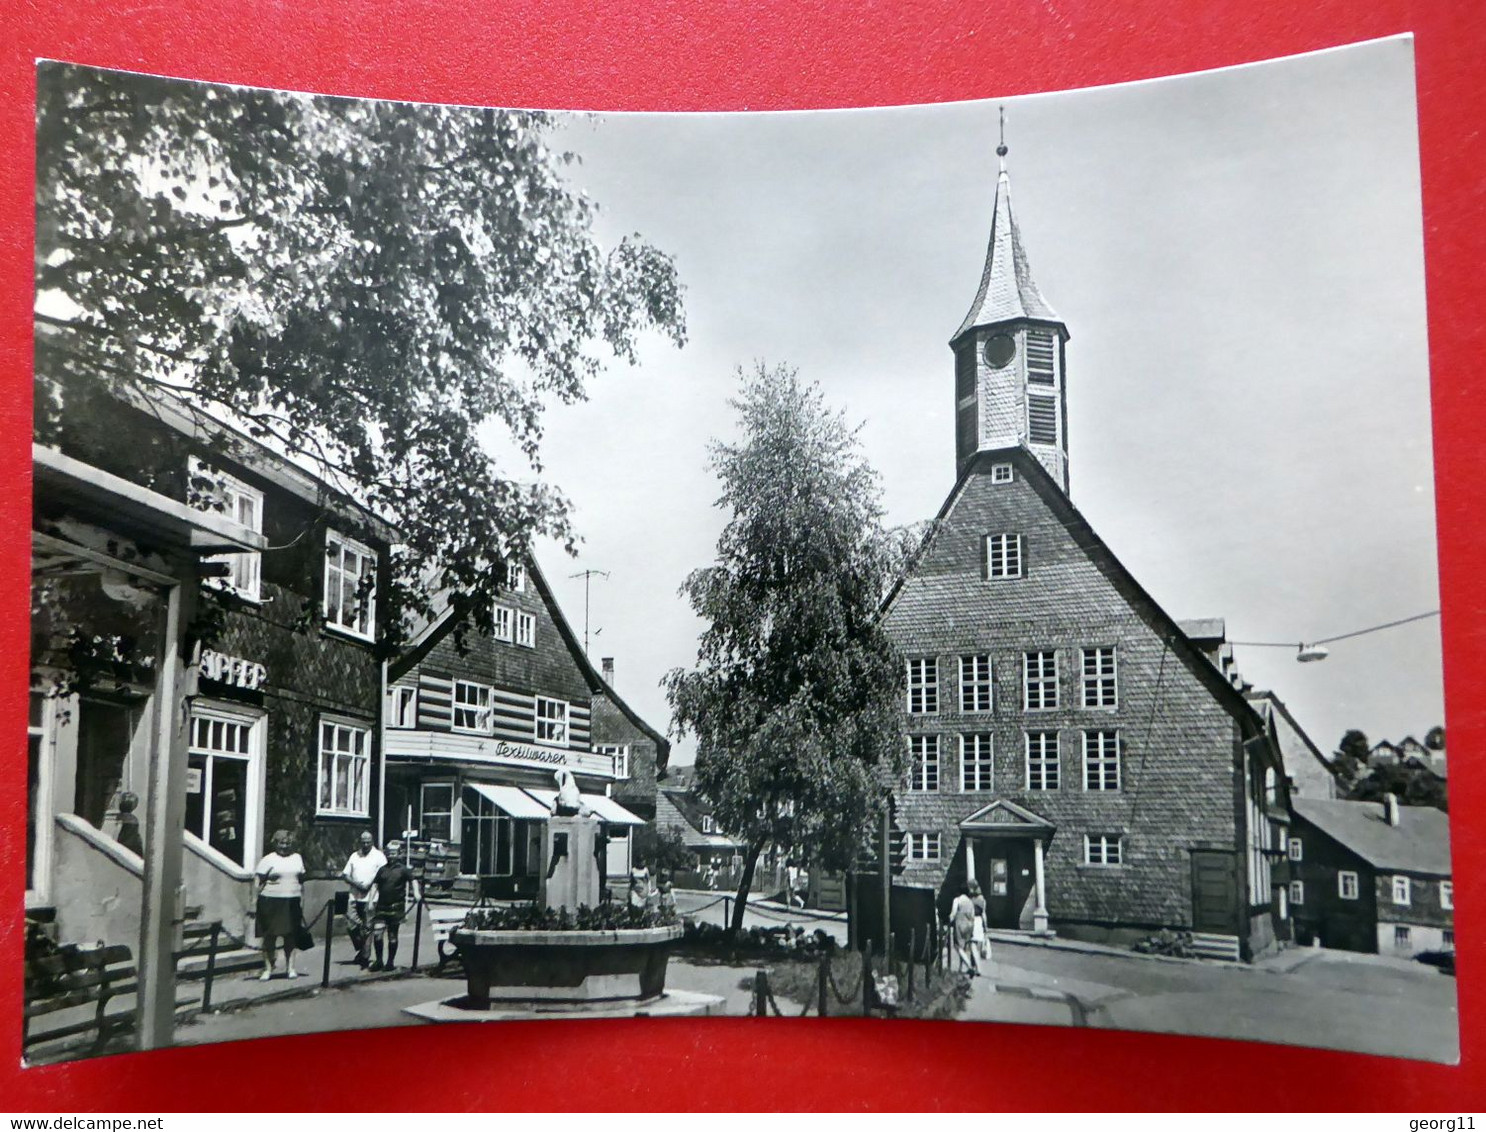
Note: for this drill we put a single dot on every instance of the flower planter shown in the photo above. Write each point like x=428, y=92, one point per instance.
x=626, y=964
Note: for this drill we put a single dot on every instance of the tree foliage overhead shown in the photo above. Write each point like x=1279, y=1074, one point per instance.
x=795, y=696
x=367, y=286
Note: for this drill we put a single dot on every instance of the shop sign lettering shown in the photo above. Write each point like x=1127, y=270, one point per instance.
x=505, y=750
x=234, y=670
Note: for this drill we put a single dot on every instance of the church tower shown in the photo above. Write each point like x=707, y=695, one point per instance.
x=1009, y=375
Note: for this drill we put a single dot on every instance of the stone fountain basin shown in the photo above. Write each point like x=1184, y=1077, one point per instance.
x=557, y=966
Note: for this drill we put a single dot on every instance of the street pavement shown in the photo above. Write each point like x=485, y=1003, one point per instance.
x=709, y=907
x=1331, y=999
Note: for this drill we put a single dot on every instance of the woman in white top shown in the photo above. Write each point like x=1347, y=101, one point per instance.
x=280, y=880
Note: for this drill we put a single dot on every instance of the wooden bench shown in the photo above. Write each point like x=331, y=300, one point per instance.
x=443, y=919
x=79, y=977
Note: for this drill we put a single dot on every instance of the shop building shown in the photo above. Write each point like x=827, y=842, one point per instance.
x=1072, y=748
x=475, y=732
x=1372, y=877
x=281, y=684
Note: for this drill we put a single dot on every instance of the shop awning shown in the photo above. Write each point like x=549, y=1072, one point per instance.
x=512, y=800
x=607, y=809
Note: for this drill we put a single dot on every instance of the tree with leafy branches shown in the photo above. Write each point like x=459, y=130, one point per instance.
x=795, y=695
x=371, y=288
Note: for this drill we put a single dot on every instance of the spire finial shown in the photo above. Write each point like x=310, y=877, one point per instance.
x=1001, y=149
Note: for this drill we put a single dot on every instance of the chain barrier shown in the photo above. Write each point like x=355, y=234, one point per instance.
x=850, y=997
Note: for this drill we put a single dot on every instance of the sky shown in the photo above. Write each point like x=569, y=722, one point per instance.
x=1238, y=257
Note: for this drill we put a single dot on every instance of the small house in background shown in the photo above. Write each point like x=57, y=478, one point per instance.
x=639, y=752
x=1308, y=770
x=475, y=731
x=679, y=806
x=1371, y=877
x=1411, y=754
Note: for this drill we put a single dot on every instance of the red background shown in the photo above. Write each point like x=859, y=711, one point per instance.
x=722, y=55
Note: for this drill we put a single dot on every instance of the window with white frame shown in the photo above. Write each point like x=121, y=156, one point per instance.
x=403, y=706
x=922, y=846
x=923, y=686
x=1296, y=849
x=975, y=762
x=923, y=773
x=1346, y=885
x=224, y=769
x=1103, y=849
x=526, y=630
x=1099, y=685
x=708, y=825
x=1447, y=894
x=1297, y=892
x=975, y=683
x=1039, y=680
x=350, y=585
x=515, y=576
x=211, y=490
x=1042, y=760
x=1401, y=891
x=502, y=623
x=618, y=755
x=1001, y=473
x=345, y=769
x=1402, y=937
x=1003, y=556
x=552, y=721
x=472, y=707
x=1101, y=760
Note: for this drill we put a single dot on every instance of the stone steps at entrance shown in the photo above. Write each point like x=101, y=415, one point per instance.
x=1210, y=945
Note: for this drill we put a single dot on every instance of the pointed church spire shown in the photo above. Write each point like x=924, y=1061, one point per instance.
x=1007, y=290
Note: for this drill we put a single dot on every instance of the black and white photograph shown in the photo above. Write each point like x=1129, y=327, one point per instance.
x=969, y=562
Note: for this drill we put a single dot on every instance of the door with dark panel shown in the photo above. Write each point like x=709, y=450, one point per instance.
x=1214, y=892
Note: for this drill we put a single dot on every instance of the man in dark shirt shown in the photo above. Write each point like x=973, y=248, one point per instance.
x=393, y=886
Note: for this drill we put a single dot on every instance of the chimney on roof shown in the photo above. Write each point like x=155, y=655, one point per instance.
x=1390, y=808
x=607, y=664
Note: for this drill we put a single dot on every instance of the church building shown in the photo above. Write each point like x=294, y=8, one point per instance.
x=1072, y=747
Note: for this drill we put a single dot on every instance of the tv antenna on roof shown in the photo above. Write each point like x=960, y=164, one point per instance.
x=587, y=575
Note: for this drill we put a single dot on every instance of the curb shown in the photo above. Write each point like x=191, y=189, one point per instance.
x=1055, y=944
x=291, y=994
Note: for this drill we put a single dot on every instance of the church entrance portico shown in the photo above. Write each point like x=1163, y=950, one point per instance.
x=1004, y=851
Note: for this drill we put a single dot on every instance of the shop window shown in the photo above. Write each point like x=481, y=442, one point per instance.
x=344, y=770
x=350, y=586
x=923, y=686
x=222, y=765
x=436, y=801
x=552, y=721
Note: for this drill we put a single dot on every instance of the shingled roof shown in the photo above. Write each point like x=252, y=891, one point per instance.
x=1007, y=290
x=1419, y=843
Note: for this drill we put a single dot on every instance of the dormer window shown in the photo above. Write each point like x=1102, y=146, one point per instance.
x=1001, y=473
x=211, y=490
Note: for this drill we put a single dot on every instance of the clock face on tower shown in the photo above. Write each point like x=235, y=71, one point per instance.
x=999, y=350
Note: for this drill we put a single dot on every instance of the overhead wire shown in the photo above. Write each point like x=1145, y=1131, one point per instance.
x=1339, y=636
